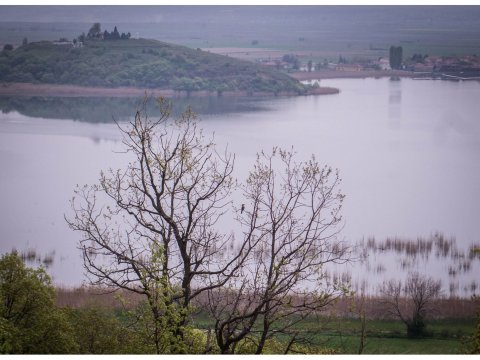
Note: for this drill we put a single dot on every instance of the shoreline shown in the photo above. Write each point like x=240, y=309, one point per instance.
x=63, y=90
x=361, y=74
x=60, y=90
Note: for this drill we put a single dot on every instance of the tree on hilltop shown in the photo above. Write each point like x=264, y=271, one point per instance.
x=115, y=34
x=95, y=31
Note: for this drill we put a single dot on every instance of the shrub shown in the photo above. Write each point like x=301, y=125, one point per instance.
x=29, y=321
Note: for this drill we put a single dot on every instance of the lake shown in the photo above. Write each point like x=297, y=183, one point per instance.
x=407, y=150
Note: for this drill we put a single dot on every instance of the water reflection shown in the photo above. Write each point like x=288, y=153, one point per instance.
x=438, y=256
x=399, y=181
x=32, y=257
x=104, y=110
x=395, y=98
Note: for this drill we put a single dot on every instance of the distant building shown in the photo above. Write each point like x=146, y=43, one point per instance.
x=419, y=67
x=349, y=67
x=270, y=63
x=331, y=66
x=383, y=64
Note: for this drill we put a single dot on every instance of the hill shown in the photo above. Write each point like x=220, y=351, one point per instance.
x=139, y=63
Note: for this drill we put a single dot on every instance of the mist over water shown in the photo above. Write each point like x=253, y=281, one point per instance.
x=407, y=152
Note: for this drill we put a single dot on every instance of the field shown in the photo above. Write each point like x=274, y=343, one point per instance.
x=382, y=336
x=388, y=337
x=340, y=330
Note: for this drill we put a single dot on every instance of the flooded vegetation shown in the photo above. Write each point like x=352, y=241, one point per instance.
x=375, y=261
x=32, y=257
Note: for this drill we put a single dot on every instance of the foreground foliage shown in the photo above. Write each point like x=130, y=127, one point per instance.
x=472, y=343
x=29, y=320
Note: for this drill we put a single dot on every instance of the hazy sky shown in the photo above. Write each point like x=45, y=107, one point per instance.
x=129, y=13
x=80, y=13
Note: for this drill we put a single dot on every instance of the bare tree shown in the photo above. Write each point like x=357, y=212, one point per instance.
x=151, y=228
x=359, y=309
x=291, y=219
x=412, y=302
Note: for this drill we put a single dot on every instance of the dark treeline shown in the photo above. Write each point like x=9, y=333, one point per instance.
x=95, y=32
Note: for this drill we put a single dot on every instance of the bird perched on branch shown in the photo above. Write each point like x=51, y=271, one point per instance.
x=242, y=209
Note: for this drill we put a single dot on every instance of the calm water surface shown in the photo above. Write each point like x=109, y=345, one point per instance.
x=408, y=153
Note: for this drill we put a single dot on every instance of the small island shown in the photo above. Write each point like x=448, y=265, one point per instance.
x=114, y=64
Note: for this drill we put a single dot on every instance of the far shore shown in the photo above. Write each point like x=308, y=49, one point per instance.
x=338, y=74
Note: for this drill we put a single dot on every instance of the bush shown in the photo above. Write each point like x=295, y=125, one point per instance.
x=29, y=321
x=99, y=331
x=274, y=346
x=472, y=343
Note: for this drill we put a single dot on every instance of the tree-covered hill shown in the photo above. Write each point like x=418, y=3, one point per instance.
x=138, y=63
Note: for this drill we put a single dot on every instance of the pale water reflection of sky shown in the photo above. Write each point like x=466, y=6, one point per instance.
x=407, y=151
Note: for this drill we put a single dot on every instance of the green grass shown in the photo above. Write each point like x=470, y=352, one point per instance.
x=383, y=336
x=389, y=336
x=383, y=345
